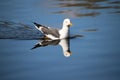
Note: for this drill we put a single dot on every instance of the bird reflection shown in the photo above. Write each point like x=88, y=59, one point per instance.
x=64, y=43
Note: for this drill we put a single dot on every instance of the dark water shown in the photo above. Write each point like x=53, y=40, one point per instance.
x=95, y=56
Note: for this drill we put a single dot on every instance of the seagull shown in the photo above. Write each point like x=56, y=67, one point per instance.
x=64, y=43
x=55, y=34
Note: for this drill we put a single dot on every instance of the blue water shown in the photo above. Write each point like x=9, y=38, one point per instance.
x=95, y=56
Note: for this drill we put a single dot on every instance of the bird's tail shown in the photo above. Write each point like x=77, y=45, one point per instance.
x=36, y=46
x=37, y=25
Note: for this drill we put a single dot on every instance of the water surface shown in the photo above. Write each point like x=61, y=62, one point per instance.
x=95, y=56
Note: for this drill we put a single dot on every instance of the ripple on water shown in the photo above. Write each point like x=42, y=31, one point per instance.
x=12, y=30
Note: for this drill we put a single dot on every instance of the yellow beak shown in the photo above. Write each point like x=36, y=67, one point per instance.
x=70, y=24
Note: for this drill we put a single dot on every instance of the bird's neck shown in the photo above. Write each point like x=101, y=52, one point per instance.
x=65, y=28
x=64, y=32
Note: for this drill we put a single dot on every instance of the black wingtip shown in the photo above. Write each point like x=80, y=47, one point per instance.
x=36, y=46
x=36, y=24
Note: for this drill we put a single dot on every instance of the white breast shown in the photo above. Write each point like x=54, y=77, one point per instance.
x=63, y=32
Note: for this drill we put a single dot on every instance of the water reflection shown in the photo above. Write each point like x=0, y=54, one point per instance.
x=64, y=43
x=79, y=8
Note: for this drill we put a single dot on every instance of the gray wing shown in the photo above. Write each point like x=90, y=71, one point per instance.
x=46, y=43
x=46, y=30
x=51, y=31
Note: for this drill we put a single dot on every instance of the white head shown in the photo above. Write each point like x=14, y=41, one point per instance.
x=67, y=22
x=67, y=54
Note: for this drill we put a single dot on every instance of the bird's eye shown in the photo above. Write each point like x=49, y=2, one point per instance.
x=66, y=22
